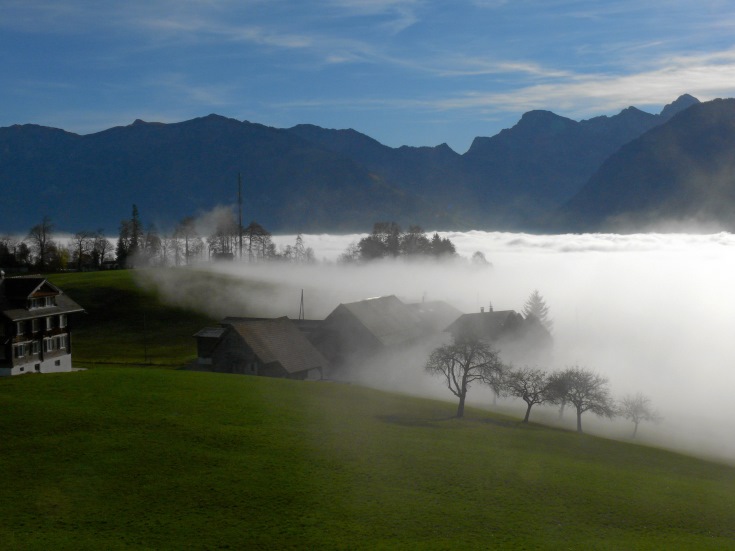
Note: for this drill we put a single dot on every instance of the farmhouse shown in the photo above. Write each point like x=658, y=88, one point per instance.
x=519, y=339
x=358, y=330
x=35, y=333
x=259, y=346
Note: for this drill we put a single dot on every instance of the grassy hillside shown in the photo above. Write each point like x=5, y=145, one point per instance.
x=127, y=324
x=130, y=458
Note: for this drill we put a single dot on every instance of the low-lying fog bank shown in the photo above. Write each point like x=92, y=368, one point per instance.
x=655, y=313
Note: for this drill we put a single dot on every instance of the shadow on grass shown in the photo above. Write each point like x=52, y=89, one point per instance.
x=414, y=421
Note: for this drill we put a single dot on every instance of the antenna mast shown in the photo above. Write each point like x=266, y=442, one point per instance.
x=239, y=209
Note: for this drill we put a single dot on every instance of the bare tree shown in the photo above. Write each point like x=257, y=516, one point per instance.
x=638, y=408
x=9, y=248
x=495, y=379
x=101, y=246
x=82, y=243
x=586, y=390
x=529, y=384
x=462, y=363
x=351, y=255
x=40, y=238
x=186, y=230
x=259, y=241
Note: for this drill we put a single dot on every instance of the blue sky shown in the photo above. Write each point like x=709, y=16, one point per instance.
x=406, y=72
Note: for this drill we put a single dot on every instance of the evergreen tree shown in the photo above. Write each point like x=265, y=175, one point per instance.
x=536, y=307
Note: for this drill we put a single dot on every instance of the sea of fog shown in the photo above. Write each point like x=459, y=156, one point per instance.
x=655, y=313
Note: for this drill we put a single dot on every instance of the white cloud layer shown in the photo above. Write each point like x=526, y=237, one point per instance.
x=653, y=312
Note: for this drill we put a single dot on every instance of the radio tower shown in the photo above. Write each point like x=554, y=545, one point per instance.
x=239, y=209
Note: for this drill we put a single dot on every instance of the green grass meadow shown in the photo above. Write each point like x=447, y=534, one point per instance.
x=115, y=458
x=126, y=324
x=122, y=457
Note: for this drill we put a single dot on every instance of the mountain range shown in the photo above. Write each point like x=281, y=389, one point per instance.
x=546, y=173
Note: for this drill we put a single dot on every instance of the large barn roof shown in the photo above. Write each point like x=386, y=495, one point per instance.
x=279, y=341
x=436, y=315
x=386, y=318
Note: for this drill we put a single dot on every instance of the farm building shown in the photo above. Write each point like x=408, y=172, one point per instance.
x=358, y=330
x=35, y=330
x=259, y=346
x=520, y=340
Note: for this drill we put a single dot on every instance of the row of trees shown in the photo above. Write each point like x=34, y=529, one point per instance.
x=471, y=360
x=39, y=250
x=143, y=245
x=139, y=245
x=388, y=241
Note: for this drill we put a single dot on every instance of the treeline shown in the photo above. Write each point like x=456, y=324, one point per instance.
x=219, y=237
x=40, y=251
x=140, y=245
x=387, y=240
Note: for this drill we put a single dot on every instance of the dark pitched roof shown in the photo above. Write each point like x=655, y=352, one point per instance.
x=279, y=341
x=435, y=315
x=489, y=325
x=387, y=318
x=211, y=332
x=15, y=291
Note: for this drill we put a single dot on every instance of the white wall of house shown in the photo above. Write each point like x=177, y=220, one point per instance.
x=57, y=364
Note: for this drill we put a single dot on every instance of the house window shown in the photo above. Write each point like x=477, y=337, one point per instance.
x=20, y=327
x=48, y=345
x=50, y=301
x=49, y=323
x=20, y=350
x=35, y=325
x=57, y=363
x=35, y=303
x=62, y=320
x=60, y=342
x=35, y=347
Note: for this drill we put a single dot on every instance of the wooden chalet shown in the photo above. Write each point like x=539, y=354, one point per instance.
x=35, y=326
x=358, y=330
x=259, y=346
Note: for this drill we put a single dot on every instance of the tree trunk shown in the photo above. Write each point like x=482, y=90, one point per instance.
x=635, y=430
x=460, y=407
x=579, y=421
x=528, y=413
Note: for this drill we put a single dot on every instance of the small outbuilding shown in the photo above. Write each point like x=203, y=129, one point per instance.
x=259, y=346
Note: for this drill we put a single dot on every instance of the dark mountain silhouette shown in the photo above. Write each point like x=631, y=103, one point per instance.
x=678, y=174
x=509, y=180
x=545, y=159
x=174, y=170
x=304, y=178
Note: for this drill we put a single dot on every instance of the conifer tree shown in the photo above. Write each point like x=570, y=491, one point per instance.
x=536, y=306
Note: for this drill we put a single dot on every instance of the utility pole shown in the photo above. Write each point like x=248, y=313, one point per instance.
x=301, y=308
x=239, y=208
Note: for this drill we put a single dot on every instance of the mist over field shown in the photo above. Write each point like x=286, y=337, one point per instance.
x=654, y=313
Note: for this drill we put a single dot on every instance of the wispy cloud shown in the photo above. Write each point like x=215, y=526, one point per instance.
x=704, y=75
x=400, y=14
